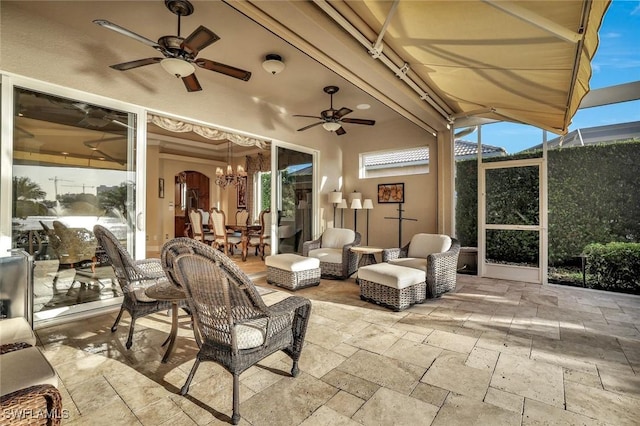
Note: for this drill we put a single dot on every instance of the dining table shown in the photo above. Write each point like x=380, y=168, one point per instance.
x=246, y=232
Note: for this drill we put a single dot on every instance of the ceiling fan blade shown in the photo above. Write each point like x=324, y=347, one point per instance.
x=341, y=131
x=135, y=64
x=307, y=116
x=191, y=83
x=310, y=126
x=342, y=112
x=223, y=69
x=198, y=40
x=358, y=121
x=121, y=30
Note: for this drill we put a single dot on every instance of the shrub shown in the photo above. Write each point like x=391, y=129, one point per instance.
x=614, y=266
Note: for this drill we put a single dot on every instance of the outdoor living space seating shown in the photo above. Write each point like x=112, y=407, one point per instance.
x=436, y=255
x=292, y=271
x=393, y=286
x=337, y=261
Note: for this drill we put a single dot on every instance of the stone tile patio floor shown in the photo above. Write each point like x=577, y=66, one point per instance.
x=492, y=353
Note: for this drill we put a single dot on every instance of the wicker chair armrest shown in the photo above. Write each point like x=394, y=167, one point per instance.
x=307, y=246
x=439, y=259
x=10, y=347
x=390, y=254
x=288, y=305
x=150, y=269
x=23, y=406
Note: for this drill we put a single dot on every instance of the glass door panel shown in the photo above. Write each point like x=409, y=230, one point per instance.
x=73, y=167
x=294, y=188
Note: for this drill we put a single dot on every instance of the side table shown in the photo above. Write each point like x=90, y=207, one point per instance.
x=367, y=256
x=167, y=291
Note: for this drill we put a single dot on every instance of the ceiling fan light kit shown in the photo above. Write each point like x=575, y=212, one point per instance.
x=273, y=64
x=179, y=52
x=331, y=126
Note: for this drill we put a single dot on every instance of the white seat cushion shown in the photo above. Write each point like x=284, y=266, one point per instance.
x=422, y=245
x=391, y=275
x=15, y=330
x=23, y=368
x=337, y=238
x=292, y=262
x=411, y=262
x=327, y=255
x=251, y=334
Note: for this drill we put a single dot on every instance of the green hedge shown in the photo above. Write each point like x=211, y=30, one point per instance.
x=614, y=266
x=594, y=197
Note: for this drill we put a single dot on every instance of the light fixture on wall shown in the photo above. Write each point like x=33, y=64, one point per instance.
x=177, y=67
x=331, y=126
x=367, y=204
x=334, y=198
x=342, y=205
x=229, y=178
x=273, y=64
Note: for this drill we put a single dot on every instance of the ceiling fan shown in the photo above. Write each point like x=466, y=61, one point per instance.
x=179, y=53
x=332, y=119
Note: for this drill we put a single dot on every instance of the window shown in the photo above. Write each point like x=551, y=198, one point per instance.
x=410, y=161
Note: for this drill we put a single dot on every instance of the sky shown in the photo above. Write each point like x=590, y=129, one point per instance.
x=617, y=61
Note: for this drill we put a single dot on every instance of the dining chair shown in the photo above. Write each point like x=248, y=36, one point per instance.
x=197, y=230
x=234, y=327
x=222, y=238
x=261, y=238
x=242, y=217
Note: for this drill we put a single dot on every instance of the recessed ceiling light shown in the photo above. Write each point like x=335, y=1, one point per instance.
x=363, y=106
x=64, y=153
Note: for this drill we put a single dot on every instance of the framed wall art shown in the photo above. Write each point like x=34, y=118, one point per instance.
x=161, y=188
x=242, y=192
x=390, y=193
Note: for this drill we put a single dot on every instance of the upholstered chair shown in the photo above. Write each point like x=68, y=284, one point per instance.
x=218, y=223
x=333, y=248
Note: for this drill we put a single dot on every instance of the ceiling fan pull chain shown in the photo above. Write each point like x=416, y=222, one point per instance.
x=179, y=25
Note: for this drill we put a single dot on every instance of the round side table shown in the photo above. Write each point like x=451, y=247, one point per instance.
x=367, y=254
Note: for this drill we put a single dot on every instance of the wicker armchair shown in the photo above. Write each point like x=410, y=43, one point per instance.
x=333, y=248
x=35, y=405
x=134, y=276
x=436, y=255
x=234, y=327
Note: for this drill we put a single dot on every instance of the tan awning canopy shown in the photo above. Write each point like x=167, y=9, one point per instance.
x=522, y=61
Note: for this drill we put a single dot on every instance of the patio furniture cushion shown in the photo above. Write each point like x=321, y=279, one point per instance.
x=411, y=262
x=251, y=333
x=422, y=245
x=14, y=330
x=337, y=238
x=391, y=275
x=327, y=255
x=23, y=368
x=292, y=262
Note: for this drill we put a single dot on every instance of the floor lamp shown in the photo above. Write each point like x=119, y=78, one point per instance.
x=335, y=198
x=367, y=204
x=356, y=205
x=342, y=206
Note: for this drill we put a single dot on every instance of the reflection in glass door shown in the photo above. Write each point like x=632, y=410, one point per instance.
x=511, y=220
x=294, y=198
x=73, y=167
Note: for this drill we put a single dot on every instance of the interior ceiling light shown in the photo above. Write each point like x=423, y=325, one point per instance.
x=363, y=106
x=273, y=64
x=177, y=67
x=331, y=126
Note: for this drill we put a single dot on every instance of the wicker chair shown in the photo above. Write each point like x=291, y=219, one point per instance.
x=134, y=276
x=436, y=255
x=43, y=401
x=234, y=327
x=333, y=248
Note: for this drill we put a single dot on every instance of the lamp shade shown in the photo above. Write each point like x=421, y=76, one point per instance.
x=353, y=195
x=335, y=197
x=356, y=204
x=177, y=67
x=331, y=126
x=343, y=204
x=367, y=204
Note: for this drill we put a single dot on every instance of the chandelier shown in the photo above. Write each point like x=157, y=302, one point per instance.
x=229, y=178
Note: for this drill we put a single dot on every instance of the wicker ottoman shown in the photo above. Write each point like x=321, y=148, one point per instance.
x=395, y=287
x=292, y=271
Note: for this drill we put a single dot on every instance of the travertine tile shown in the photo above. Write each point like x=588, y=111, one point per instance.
x=318, y=361
x=483, y=359
x=506, y=343
x=388, y=407
x=462, y=410
x=431, y=394
x=583, y=378
x=324, y=416
x=451, y=341
x=352, y=384
x=615, y=381
x=345, y=403
x=505, y=400
x=532, y=379
x=538, y=414
x=375, y=338
x=609, y=407
x=449, y=372
x=413, y=352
